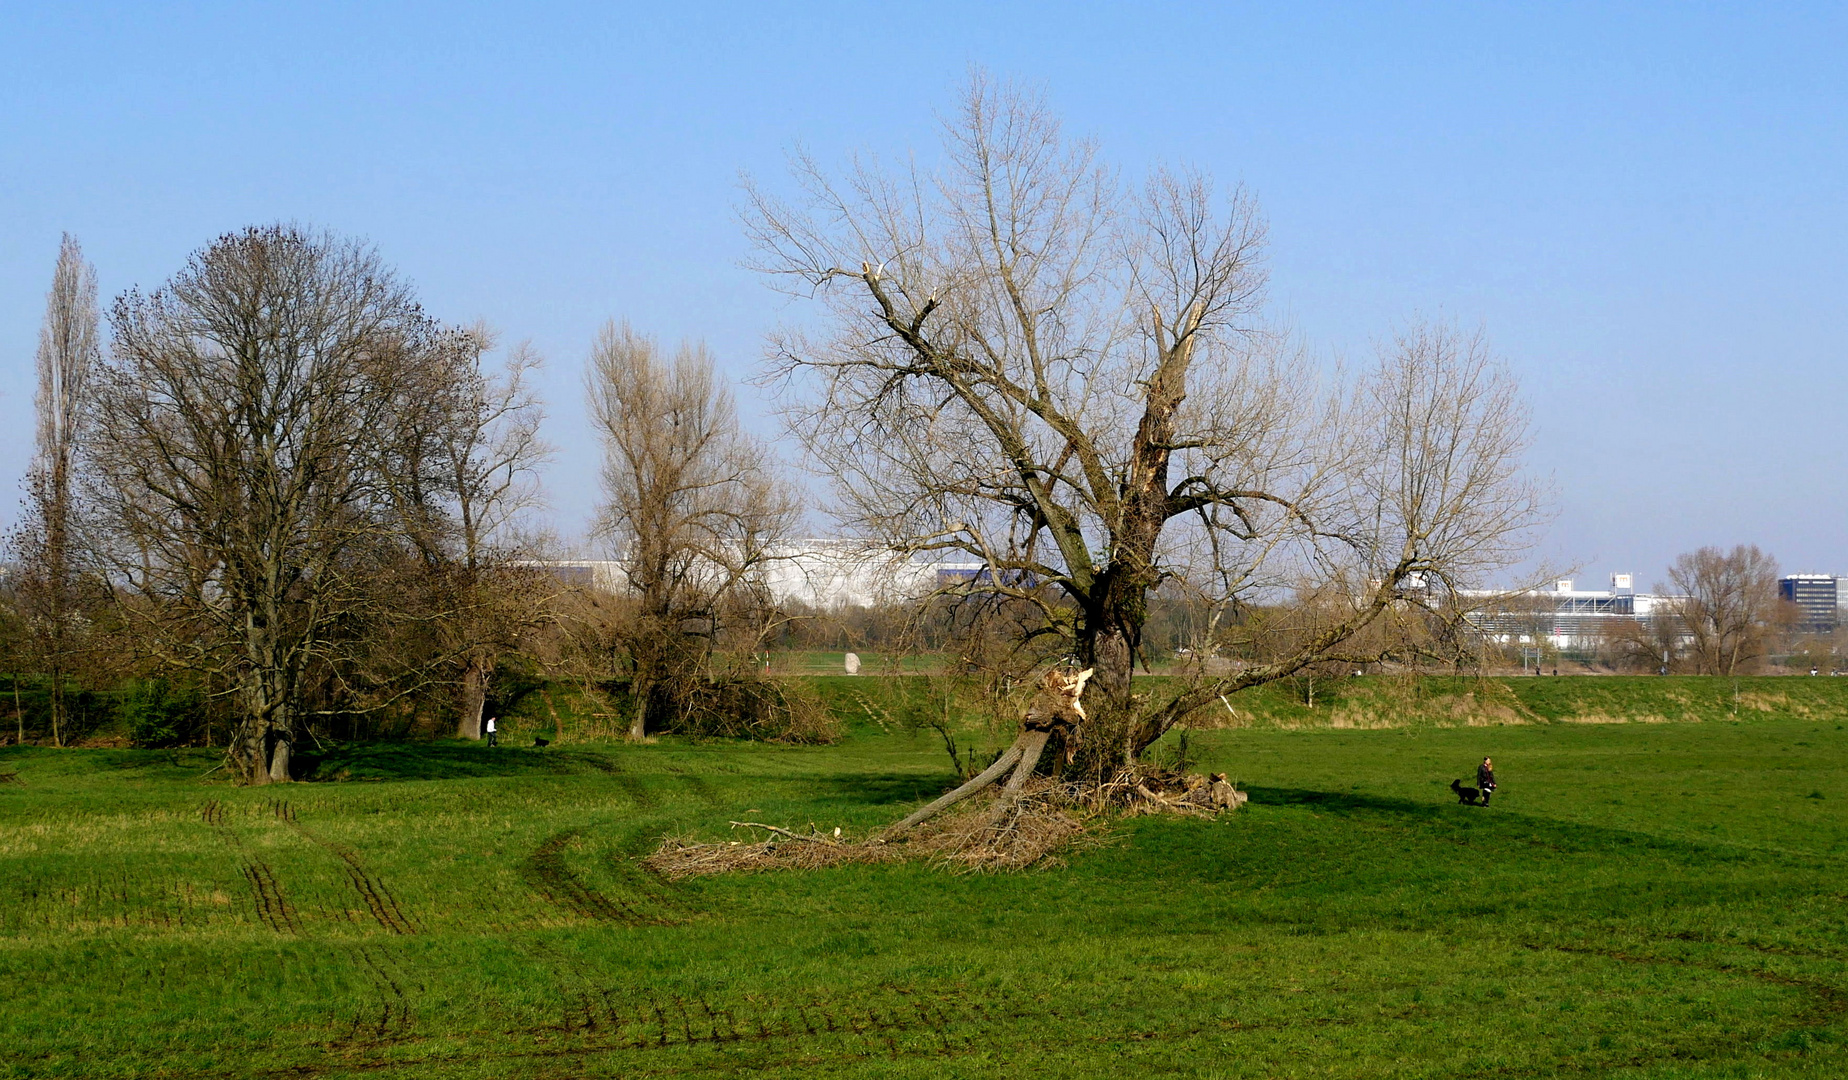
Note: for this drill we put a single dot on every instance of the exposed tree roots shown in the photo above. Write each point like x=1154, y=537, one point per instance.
x=1018, y=827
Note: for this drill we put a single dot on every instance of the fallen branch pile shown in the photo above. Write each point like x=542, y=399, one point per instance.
x=1023, y=824
x=1010, y=831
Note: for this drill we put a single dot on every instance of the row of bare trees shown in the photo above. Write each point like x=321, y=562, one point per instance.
x=287, y=484
x=283, y=479
x=298, y=486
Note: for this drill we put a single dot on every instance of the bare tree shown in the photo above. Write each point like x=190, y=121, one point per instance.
x=1023, y=362
x=1653, y=643
x=466, y=456
x=691, y=501
x=493, y=453
x=1728, y=606
x=67, y=355
x=242, y=472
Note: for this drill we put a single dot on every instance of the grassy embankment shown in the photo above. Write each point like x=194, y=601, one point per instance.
x=1398, y=701
x=1648, y=900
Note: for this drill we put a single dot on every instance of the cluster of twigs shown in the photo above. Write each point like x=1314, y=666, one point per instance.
x=1011, y=831
x=783, y=849
x=1159, y=791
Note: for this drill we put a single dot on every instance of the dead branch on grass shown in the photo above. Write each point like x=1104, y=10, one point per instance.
x=1012, y=830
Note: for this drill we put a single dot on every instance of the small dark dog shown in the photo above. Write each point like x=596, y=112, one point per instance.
x=1467, y=795
x=541, y=742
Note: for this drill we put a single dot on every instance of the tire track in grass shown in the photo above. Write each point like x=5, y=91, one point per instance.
x=1827, y=1003
x=579, y=1011
x=274, y=909
x=631, y=785
x=601, y=1020
x=393, y=1020
x=379, y=901
x=546, y=871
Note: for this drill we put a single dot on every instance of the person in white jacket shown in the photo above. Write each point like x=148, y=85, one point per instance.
x=491, y=740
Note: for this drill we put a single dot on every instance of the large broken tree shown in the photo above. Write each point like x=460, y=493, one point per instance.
x=1021, y=362
x=1031, y=820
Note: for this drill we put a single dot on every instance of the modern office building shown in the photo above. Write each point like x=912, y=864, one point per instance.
x=1566, y=617
x=1816, y=597
x=818, y=573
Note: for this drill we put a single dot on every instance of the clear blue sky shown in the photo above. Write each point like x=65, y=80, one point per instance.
x=1646, y=206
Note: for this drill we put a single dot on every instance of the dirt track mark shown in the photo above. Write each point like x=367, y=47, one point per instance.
x=601, y=1019
x=631, y=785
x=545, y=870
x=636, y=790
x=639, y=1019
x=273, y=907
x=378, y=899
x=1827, y=1002
x=393, y=1021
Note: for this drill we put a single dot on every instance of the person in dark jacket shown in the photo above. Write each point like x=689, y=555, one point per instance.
x=1485, y=779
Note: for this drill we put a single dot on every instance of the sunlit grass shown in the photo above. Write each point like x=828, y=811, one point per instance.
x=1650, y=900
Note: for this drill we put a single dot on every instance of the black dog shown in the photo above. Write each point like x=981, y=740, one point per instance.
x=1467, y=795
x=541, y=742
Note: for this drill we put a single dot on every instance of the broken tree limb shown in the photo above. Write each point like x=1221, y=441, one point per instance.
x=783, y=832
x=988, y=776
x=1056, y=708
x=1032, y=744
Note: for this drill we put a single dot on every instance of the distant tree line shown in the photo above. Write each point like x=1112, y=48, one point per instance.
x=284, y=504
x=283, y=500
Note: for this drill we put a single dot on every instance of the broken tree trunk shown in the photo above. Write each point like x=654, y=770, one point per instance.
x=988, y=777
x=1032, y=744
x=1055, y=709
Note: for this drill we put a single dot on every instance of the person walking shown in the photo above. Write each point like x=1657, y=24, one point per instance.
x=1485, y=779
x=491, y=740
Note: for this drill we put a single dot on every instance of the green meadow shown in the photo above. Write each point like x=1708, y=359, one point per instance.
x=1643, y=899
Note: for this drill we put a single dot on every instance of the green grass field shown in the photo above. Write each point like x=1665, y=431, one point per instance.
x=1643, y=900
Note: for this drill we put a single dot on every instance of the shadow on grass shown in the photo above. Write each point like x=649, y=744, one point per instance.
x=452, y=760
x=1493, y=824
x=1341, y=801
x=884, y=789
x=46, y=761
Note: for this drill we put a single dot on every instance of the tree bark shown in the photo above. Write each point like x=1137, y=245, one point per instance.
x=1031, y=744
x=279, y=762
x=639, y=691
x=474, y=698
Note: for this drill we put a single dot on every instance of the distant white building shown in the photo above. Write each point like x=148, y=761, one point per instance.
x=843, y=573
x=1565, y=617
x=819, y=573
x=604, y=575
